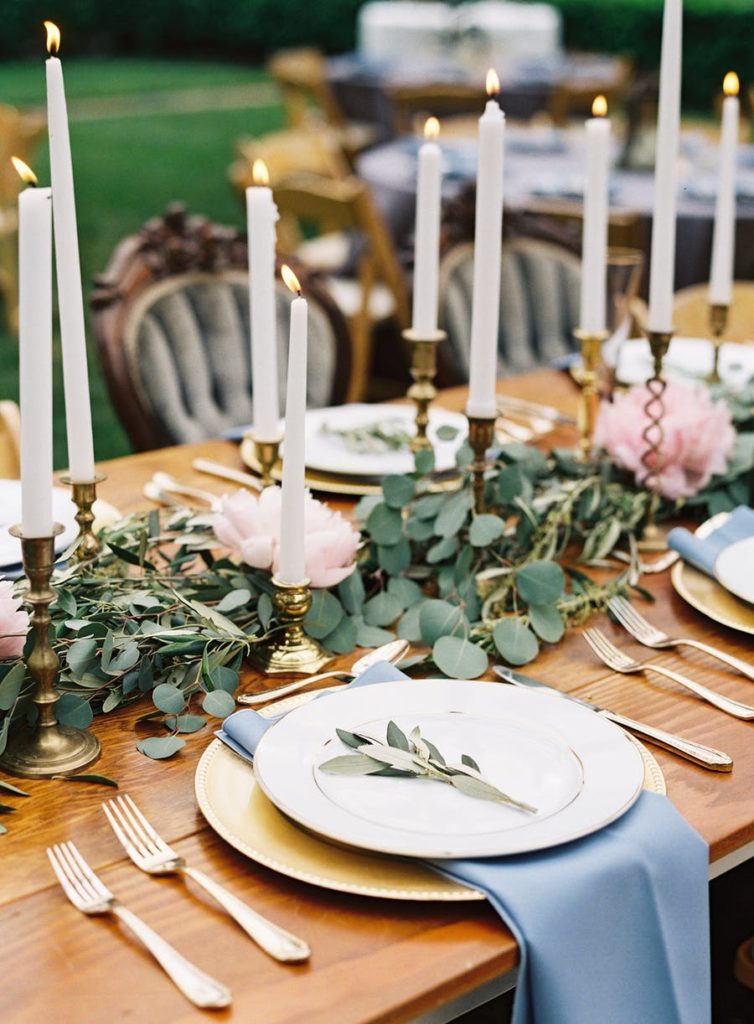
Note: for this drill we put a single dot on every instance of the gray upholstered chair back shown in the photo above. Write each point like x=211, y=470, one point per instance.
x=187, y=346
x=539, y=305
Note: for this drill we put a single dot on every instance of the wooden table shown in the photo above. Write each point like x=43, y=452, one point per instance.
x=373, y=961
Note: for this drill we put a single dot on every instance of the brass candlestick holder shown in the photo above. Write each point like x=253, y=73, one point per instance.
x=46, y=748
x=653, y=538
x=481, y=436
x=423, y=390
x=590, y=343
x=718, y=321
x=84, y=495
x=267, y=454
x=290, y=650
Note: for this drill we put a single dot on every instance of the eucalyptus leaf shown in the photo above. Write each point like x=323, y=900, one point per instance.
x=429, y=506
x=408, y=627
x=8, y=787
x=446, y=432
x=72, y=710
x=168, y=699
x=424, y=461
x=516, y=642
x=398, y=490
x=440, y=618
x=342, y=640
x=547, y=622
x=97, y=780
x=382, y=610
x=352, y=594
x=453, y=513
x=470, y=762
x=82, y=655
x=224, y=678
x=11, y=685
x=420, y=529
x=324, y=615
x=351, y=764
x=370, y=636
x=385, y=524
x=160, y=747
x=394, y=558
x=485, y=529
x=185, y=723
x=444, y=549
x=218, y=703
x=405, y=591
x=459, y=658
x=396, y=737
x=264, y=610
x=540, y=582
x=235, y=599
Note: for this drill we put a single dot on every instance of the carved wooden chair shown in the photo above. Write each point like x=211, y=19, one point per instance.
x=412, y=104
x=10, y=441
x=301, y=76
x=377, y=291
x=20, y=135
x=171, y=318
x=539, y=306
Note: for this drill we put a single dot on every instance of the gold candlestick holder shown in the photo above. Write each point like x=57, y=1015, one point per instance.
x=46, y=748
x=84, y=495
x=653, y=538
x=267, y=455
x=481, y=436
x=423, y=390
x=289, y=649
x=590, y=343
x=718, y=321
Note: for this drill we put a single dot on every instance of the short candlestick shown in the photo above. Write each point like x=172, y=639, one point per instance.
x=423, y=390
x=481, y=436
x=289, y=649
x=267, y=455
x=718, y=321
x=590, y=343
x=653, y=539
x=84, y=494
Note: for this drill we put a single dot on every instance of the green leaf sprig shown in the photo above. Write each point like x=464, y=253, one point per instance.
x=415, y=757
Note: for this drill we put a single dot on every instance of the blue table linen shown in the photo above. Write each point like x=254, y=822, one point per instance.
x=703, y=554
x=612, y=928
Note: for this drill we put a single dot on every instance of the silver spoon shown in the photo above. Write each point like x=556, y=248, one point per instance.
x=391, y=652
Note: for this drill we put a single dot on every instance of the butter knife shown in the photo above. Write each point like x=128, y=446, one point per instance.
x=697, y=753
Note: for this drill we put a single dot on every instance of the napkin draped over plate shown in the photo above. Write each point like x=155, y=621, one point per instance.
x=612, y=928
x=703, y=553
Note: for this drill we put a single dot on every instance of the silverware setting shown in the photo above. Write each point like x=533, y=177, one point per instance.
x=391, y=652
x=91, y=896
x=650, y=636
x=697, y=753
x=152, y=854
x=535, y=410
x=211, y=468
x=615, y=659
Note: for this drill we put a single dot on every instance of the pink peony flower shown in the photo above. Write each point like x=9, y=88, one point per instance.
x=699, y=437
x=14, y=622
x=251, y=526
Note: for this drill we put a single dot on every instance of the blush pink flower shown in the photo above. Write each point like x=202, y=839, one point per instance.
x=698, y=437
x=251, y=527
x=14, y=622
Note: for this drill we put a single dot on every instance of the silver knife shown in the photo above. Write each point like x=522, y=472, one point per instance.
x=706, y=757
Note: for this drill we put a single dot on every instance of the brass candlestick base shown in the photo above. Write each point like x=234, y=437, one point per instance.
x=718, y=321
x=84, y=495
x=290, y=650
x=423, y=390
x=590, y=343
x=47, y=748
x=267, y=454
x=654, y=538
x=481, y=436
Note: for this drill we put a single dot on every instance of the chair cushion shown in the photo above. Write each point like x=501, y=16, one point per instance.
x=539, y=305
x=188, y=351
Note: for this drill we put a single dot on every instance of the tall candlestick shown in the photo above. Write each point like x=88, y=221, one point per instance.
x=78, y=412
x=292, y=559
x=662, y=265
x=262, y=215
x=594, y=245
x=724, y=237
x=488, y=230
x=427, y=240
x=35, y=353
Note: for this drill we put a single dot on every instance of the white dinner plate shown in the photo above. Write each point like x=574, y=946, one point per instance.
x=687, y=358
x=331, y=454
x=578, y=770
x=63, y=511
x=734, y=568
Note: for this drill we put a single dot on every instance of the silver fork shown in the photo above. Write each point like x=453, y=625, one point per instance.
x=608, y=653
x=650, y=636
x=152, y=854
x=91, y=896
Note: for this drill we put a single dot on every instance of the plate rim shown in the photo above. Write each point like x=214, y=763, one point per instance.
x=735, y=593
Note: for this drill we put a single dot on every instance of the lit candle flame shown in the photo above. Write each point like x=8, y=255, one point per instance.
x=730, y=84
x=599, y=107
x=493, y=83
x=431, y=128
x=25, y=172
x=259, y=173
x=53, y=37
x=290, y=279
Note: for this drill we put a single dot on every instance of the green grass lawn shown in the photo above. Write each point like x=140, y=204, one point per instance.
x=127, y=169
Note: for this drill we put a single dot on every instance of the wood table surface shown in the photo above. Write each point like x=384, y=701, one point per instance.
x=373, y=960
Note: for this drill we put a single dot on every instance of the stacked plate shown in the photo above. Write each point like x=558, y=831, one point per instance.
x=63, y=511
x=368, y=834
x=351, y=448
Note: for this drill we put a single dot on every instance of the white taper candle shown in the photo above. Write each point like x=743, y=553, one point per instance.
x=427, y=235
x=724, y=237
x=594, y=243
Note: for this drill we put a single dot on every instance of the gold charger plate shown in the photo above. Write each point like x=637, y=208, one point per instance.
x=357, y=487
x=706, y=594
x=240, y=813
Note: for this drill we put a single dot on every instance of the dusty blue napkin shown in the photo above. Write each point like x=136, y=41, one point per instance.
x=613, y=928
x=702, y=554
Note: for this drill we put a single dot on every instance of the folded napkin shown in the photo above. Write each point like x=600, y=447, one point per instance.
x=612, y=928
x=702, y=554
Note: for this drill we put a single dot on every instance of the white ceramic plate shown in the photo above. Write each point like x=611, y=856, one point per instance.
x=578, y=770
x=734, y=568
x=63, y=511
x=328, y=454
x=687, y=358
